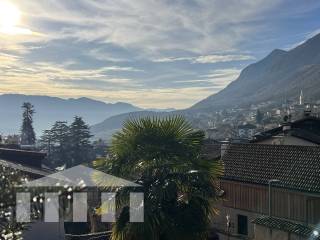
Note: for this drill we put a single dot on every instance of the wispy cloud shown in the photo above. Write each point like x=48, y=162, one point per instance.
x=207, y=58
x=17, y=74
x=151, y=25
x=218, y=78
x=222, y=58
x=172, y=59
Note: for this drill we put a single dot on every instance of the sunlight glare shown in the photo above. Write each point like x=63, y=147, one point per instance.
x=9, y=14
x=10, y=17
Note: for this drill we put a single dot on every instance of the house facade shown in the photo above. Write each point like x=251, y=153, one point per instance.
x=270, y=192
x=247, y=131
x=303, y=132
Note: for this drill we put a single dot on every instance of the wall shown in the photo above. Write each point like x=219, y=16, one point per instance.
x=287, y=140
x=44, y=230
x=251, y=200
x=285, y=203
x=263, y=233
x=220, y=223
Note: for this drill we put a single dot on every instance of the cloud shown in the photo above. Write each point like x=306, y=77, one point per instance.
x=151, y=25
x=217, y=78
x=126, y=69
x=172, y=59
x=7, y=59
x=18, y=74
x=59, y=80
x=223, y=73
x=222, y=58
x=148, y=52
x=102, y=55
x=207, y=58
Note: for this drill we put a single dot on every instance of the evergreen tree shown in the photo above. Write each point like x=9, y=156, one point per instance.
x=28, y=136
x=80, y=146
x=68, y=145
x=61, y=137
x=46, y=141
x=56, y=142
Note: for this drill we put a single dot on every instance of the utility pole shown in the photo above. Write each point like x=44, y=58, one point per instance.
x=228, y=225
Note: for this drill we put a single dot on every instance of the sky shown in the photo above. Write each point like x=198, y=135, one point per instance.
x=151, y=53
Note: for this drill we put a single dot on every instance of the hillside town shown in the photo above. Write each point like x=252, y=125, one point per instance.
x=241, y=124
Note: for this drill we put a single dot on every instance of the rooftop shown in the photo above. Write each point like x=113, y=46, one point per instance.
x=297, y=167
x=285, y=225
x=307, y=128
x=26, y=161
x=28, y=158
x=23, y=168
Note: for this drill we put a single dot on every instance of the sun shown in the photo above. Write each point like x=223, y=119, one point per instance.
x=10, y=17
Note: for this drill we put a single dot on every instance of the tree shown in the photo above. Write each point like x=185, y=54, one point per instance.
x=67, y=145
x=164, y=156
x=100, y=148
x=46, y=142
x=28, y=137
x=61, y=139
x=9, y=180
x=57, y=143
x=259, y=117
x=80, y=146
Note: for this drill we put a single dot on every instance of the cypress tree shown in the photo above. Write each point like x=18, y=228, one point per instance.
x=28, y=136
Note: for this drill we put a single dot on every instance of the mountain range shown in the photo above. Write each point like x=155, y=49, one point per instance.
x=51, y=109
x=280, y=75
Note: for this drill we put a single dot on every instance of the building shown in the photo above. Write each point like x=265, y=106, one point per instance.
x=305, y=132
x=70, y=196
x=16, y=167
x=291, y=210
x=28, y=162
x=246, y=131
x=301, y=100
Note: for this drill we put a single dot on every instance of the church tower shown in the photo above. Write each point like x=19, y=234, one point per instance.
x=301, y=100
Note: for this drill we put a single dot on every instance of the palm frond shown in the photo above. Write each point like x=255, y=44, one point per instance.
x=179, y=185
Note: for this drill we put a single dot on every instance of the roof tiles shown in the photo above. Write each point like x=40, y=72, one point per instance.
x=297, y=167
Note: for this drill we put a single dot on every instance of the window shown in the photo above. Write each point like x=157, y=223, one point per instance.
x=242, y=225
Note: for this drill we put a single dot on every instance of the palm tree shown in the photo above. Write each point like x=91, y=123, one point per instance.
x=164, y=156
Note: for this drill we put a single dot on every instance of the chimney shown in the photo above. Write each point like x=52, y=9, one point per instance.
x=224, y=147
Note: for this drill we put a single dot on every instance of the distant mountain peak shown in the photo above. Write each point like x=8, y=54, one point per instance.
x=278, y=74
x=315, y=38
x=277, y=52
